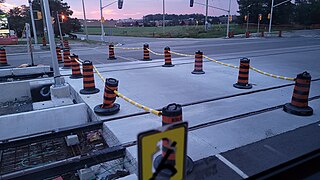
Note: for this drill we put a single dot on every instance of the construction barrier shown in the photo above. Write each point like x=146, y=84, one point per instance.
x=171, y=114
x=44, y=41
x=146, y=55
x=198, y=65
x=167, y=58
x=213, y=60
x=76, y=73
x=111, y=52
x=66, y=58
x=66, y=44
x=299, y=102
x=59, y=56
x=88, y=79
x=243, y=77
x=3, y=57
x=109, y=107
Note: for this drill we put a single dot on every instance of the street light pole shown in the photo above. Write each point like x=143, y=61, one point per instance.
x=206, y=18
x=85, y=20
x=270, y=22
x=163, y=18
x=33, y=24
x=101, y=16
x=228, y=25
x=59, y=81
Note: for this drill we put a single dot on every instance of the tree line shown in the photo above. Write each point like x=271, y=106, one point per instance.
x=18, y=16
x=303, y=12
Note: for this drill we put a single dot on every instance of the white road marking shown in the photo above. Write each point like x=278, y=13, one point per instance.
x=232, y=166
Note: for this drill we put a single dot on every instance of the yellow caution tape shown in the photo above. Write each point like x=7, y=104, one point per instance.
x=158, y=54
x=221, y=63
x=272, y=75
x=180, y=54
x=155, y=112
x=127, y=48
x=237, y=67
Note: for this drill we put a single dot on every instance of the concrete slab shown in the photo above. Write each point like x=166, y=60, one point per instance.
x=260, y=156
x=30, y=70
x=13, y=91
x=23, y=124
x=244, y=131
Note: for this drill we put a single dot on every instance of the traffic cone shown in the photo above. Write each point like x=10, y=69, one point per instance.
x=247, y=34
x=243, y=77
x=111, y=52
x=171, y=114
x=146, y=55
x=76, y=73
x=167, y=58
x=299, y=102
x=3, y=57
x=88, y=79
x=262, y=34
x=66, y=58
x=198, y=67
x=108, y=107
x=59, y=56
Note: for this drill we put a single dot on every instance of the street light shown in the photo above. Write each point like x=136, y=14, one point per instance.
x=273, y=6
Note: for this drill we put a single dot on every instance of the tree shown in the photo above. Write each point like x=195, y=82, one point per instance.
x=282, y=14
x=1, y=1
x=307, y=12
x=17, y=17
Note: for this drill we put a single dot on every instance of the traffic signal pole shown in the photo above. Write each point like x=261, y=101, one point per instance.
x=59, y=26
x=228, y=25
x=101, y=16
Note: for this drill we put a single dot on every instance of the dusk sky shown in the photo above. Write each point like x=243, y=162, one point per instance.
x=138, y=8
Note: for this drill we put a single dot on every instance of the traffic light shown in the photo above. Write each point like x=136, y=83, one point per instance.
x=230, y=18
x=120, y=3
x=191, y=3
x=245, y=18
x=269, y=15
x=260, y=17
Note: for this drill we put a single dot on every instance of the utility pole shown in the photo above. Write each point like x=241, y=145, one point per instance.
x=101, y=19
x=163, y=18
x=228, y=25
x=33, y=24
x=206, y=18
x=85, y=20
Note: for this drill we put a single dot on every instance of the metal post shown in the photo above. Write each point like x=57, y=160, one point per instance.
x=258, y=23
x=206, y=18
x=60, y=32
x=228, y=25
x=43, y=19
x=163, y=18
x=101, y=16
x=85, y=20
x=29, y=43
x=247, y=21
x=33, y=24
x=59, y=81
x=270, y=22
